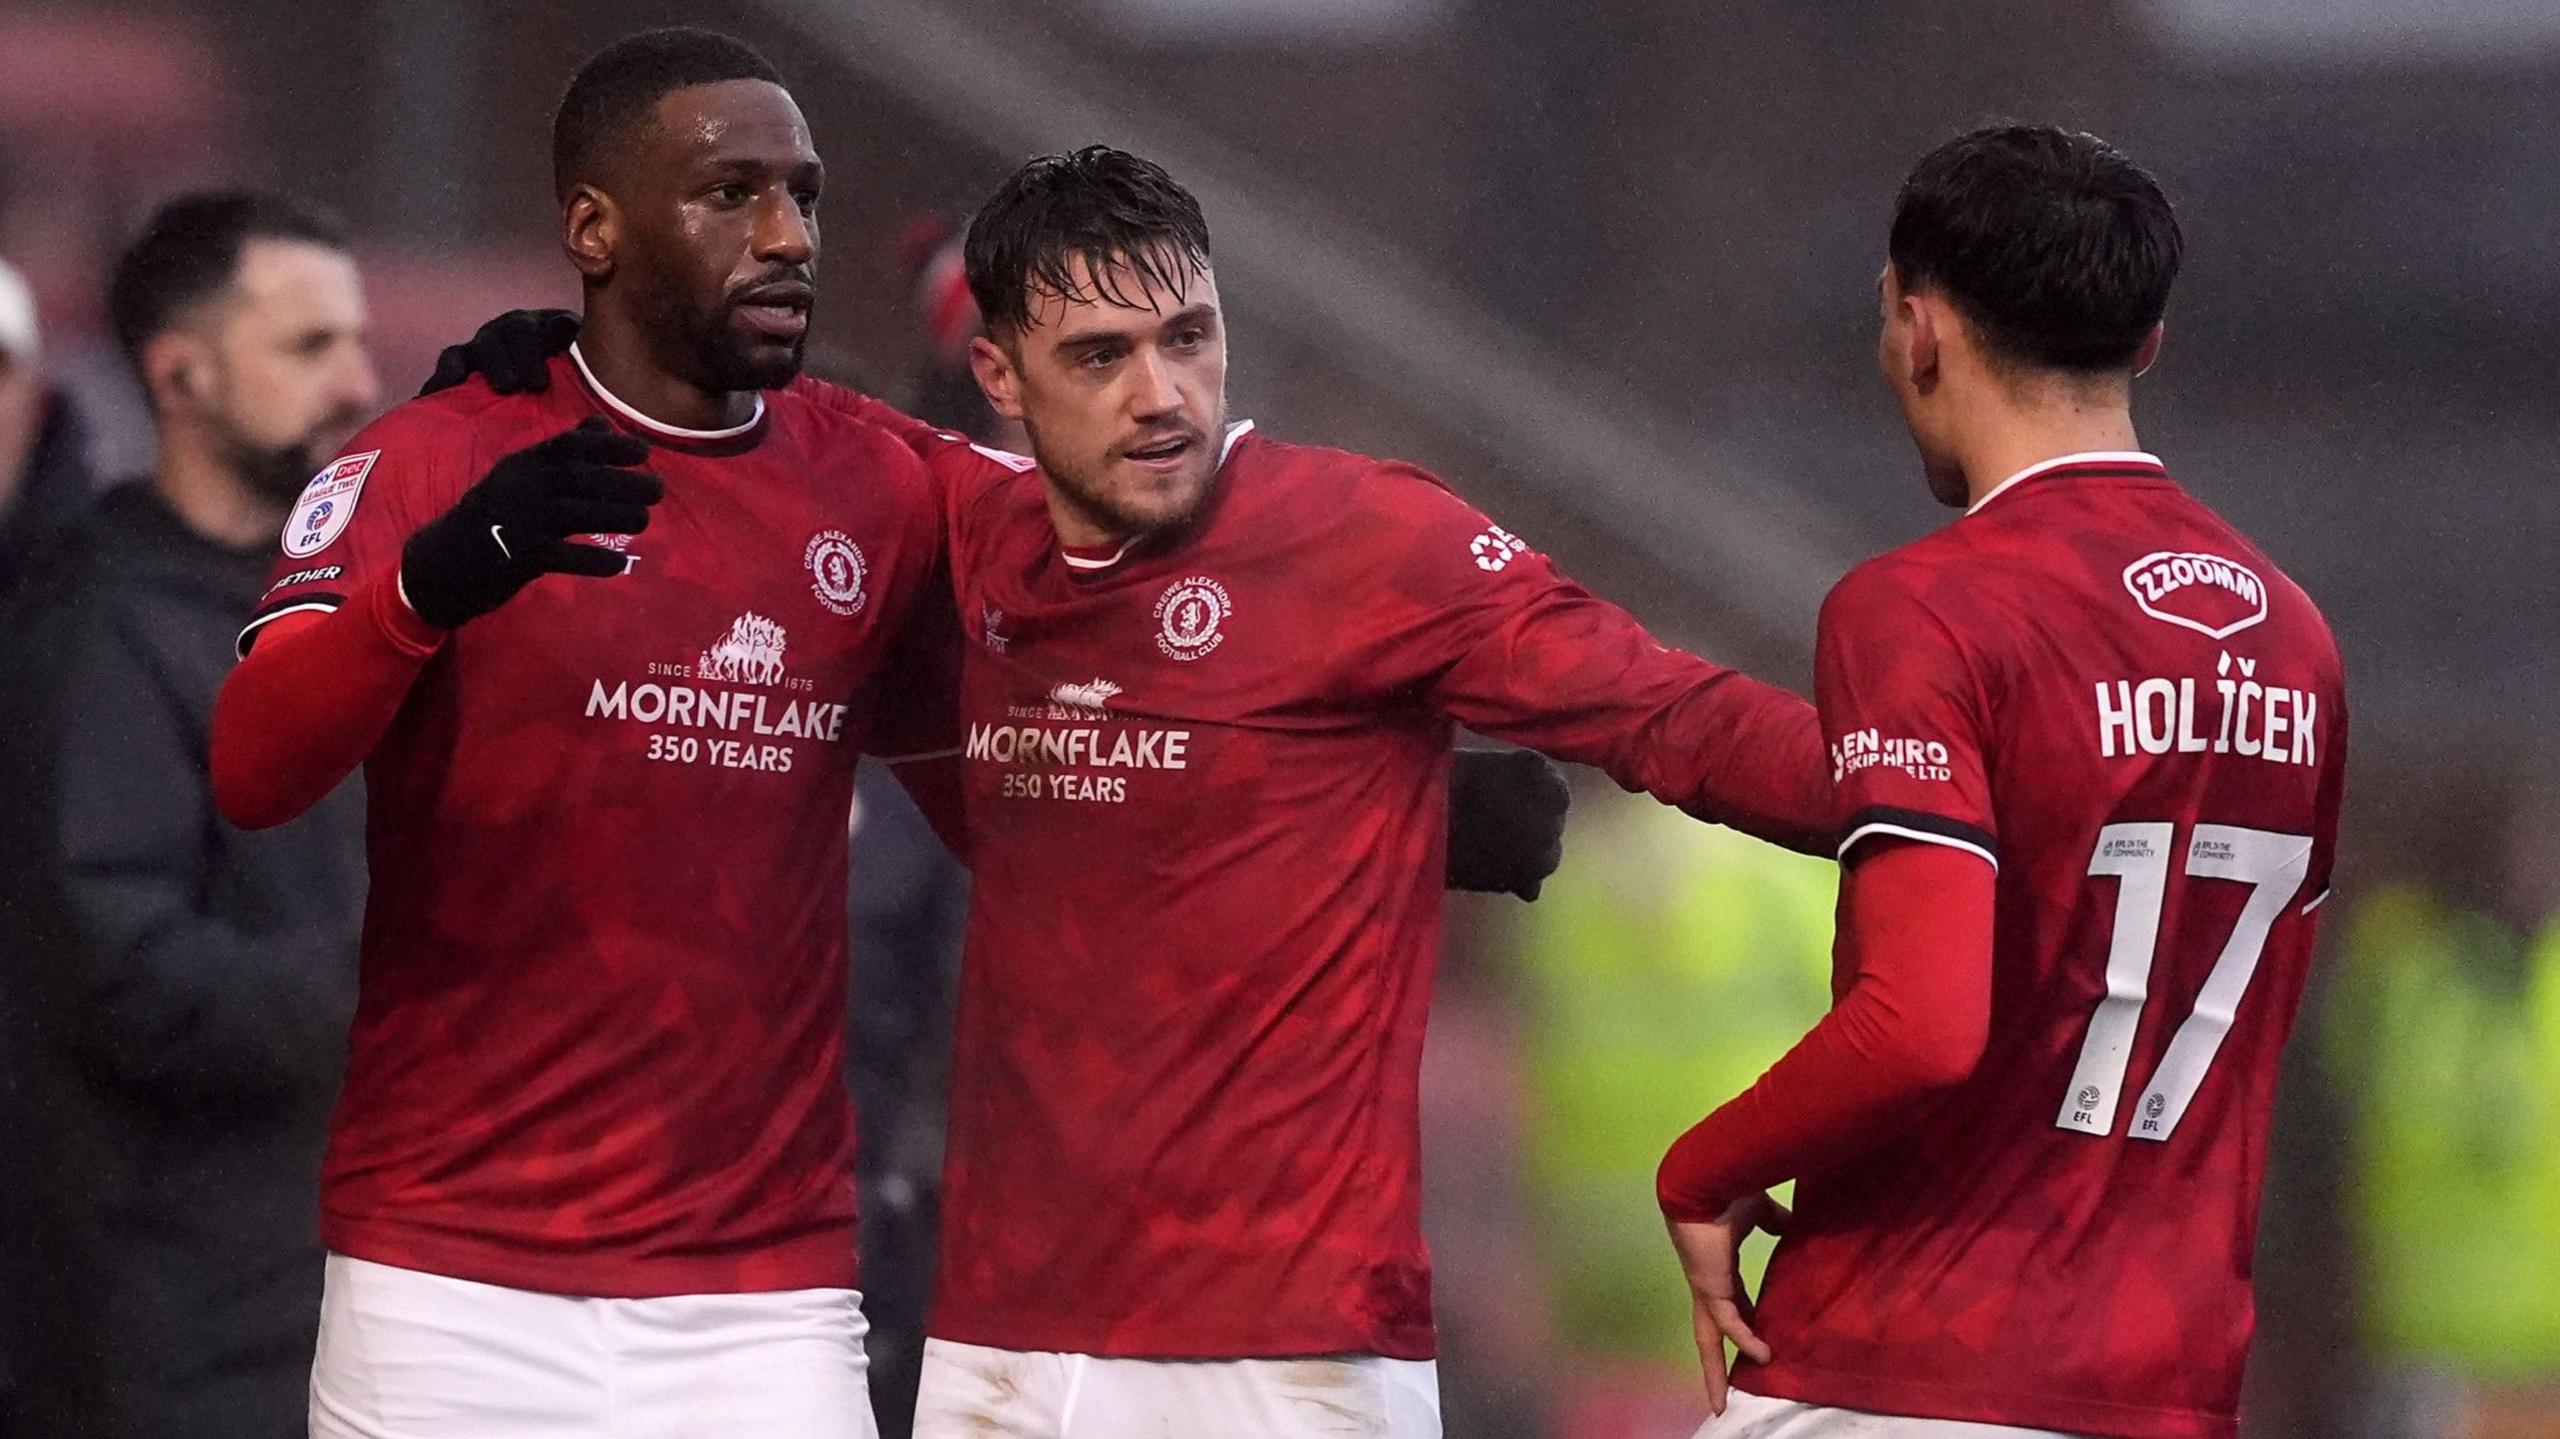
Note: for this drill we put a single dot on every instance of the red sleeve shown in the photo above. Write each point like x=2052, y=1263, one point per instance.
x=1912, y=1022
x=1907, y=717
x=349, y=523
x=311, y=700
x=1506, y=645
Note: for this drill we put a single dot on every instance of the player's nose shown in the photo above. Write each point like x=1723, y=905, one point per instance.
x=783, y=234
x=1155, y=393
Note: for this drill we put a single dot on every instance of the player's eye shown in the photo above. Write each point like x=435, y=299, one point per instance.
x=1190, y=338
x=807, y=199
x=1099, y=358
x=731, y=194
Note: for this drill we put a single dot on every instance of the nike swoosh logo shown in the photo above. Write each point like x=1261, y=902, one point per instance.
x=502, y=542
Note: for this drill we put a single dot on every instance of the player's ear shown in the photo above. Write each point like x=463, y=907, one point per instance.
x=998, y=377
x=2149, y=354
x=1921, y=353
x=589, y=229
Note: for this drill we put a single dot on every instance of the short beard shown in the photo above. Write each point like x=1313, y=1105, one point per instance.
x=1143, y=529
x=707, y=359
x=276, y=474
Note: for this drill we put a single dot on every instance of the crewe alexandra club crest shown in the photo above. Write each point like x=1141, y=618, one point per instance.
x=835, y=571
x=1188, y=615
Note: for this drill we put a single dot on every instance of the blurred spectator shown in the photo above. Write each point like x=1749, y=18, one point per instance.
x=1668, y=963
x=2442, y=1036
x=44, y=470
x=177, y=991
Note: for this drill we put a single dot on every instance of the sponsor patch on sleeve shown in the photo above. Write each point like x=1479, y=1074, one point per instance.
x=321, y=515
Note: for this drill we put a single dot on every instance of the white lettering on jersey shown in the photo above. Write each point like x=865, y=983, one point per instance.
x=1864, y=749
x=2158, y=716
x=2214, y=596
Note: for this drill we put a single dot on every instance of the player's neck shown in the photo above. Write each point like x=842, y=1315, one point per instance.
x=211, y=501
x=617, y=354
x=2023, y=438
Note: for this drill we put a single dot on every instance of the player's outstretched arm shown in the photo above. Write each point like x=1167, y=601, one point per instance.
x=1465, y=611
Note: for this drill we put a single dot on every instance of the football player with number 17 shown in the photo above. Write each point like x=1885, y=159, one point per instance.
x=2090, y=743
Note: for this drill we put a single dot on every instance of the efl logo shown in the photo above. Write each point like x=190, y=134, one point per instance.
x=2215, y=597
x=327, y=503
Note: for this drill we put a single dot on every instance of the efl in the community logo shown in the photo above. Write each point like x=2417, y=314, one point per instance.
x=749, y=654
x=2214, y=596
x=327, y=503
x=835, y=571
x=1188, y=615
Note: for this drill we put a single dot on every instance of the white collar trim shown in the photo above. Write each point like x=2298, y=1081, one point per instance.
x=1080, y=562
x=616, y=404
x=1235, y=432
x=2085, y=457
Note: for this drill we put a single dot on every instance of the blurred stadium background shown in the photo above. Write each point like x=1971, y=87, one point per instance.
x=1609, y=267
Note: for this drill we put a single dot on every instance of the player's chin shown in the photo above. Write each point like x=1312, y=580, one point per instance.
x=1156, y=501
x=761, y=362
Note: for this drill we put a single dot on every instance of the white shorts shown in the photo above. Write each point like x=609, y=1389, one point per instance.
x=406, y=1355
x=970, y=1392
x=1748, y=1416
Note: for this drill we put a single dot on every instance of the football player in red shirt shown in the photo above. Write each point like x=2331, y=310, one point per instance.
x=1210, y=683
x=2089, y=742
x=1209, y=687
x=591, y=1172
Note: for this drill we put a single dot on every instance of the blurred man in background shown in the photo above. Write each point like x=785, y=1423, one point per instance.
x=177, y=991
x=44, y=470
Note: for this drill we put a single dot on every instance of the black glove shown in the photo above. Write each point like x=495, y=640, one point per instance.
x=513, y=352
x=1506, y=821
x=515, y=524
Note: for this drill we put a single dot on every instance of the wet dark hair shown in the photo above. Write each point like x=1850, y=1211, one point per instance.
x=189, y=251
x=1106, y=207
x=2056, y=247
x=620, y=84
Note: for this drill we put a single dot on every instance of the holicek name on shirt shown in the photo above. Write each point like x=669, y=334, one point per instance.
x=2230, y=714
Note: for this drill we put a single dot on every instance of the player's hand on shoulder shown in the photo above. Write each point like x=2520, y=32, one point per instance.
x=1720, y=1309
x=1506, y=821
x=512, y=352
x=515, y=524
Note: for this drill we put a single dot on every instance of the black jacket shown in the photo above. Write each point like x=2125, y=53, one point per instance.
x=175, y=995
x=49, y=497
